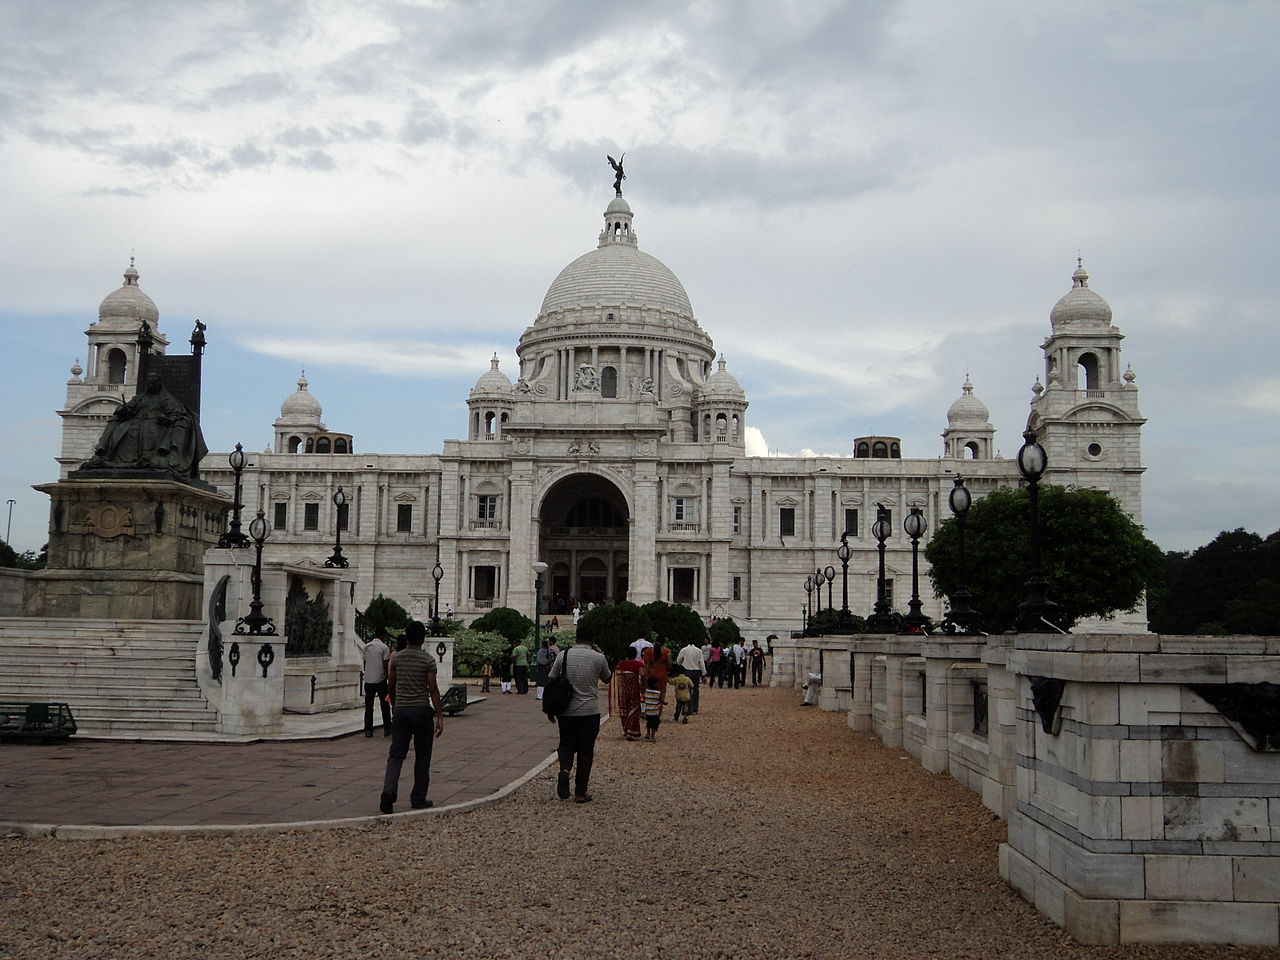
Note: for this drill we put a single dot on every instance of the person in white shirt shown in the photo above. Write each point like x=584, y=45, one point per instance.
x=690, y=661
x=375, y=654
x=739, y=664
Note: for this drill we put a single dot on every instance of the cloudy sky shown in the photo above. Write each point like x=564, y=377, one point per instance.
x=864, y=200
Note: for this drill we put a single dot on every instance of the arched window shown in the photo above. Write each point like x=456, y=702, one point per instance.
x=489, y=420
x=880, y=450
x=722, y=426
x=895, y=451
x=1089, y=371
x=706, y=426
x=863, y=449
x=504, y=418
x=323, y=445
x=609, y=382
x=736, y=426
x=311, y=445
x=971, y=450
x=294, y=444
x=117, y=364
x=340, y=445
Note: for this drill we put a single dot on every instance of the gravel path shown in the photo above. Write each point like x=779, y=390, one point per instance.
x=759, y=830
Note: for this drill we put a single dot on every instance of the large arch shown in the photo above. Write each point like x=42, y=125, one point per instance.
x=584, y=537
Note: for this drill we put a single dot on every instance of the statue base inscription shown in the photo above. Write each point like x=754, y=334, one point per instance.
x=126, y=549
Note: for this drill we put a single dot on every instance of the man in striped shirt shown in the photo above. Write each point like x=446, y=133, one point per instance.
x=416, y=699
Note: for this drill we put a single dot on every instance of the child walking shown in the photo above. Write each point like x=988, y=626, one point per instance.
x=486, y=673
x=651, y=709
x=684, y=694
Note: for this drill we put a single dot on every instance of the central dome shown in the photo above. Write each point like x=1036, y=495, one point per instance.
x=614, y=274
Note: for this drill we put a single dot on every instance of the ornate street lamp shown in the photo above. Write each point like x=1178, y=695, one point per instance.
x=1037, y=613
x=255, y=623
x=830, y=573
x=539, y=568
x=819, y=578
x=962, y=618
x=437, y=574
x=843, y=553
x=881, y=619
x=915, y=525
x=234, y=537
x=808, y=606
x=338, y=560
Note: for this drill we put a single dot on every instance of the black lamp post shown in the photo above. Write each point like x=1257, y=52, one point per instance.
x=255, y=623
x=539, y=568
x=808, y=605
x=819, y=578
x=843, y=553
x=881, y=619
x=338, y=560
x=437, y=574
x=830, y=573
x=234, y=537
x=915, y=525
x=962, y=618
x=1037, y=613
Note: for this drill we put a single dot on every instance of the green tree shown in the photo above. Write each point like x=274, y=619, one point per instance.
x=8, y=556
x=676, y=624
x=471, y=648
x=1227, y=586
x=725, y=631
x=508, y=621
x=1096, y=558
x=381, y=612
x=615, y=626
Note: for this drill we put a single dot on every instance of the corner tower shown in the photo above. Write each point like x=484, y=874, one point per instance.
x=1086, y=412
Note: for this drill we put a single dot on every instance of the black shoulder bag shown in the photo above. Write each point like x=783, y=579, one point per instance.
x=558, y=693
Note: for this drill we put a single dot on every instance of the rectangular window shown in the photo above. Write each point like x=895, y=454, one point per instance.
x=487, y=507
x=680, y=509
x=344, y=516
x=737, y=588
x=485, y=583
x=737, y=519
x=787, y=521
x=281, y=518
x=851, y=522
x=888, y=591
x=404, y=517
x=684, y=585
x=311, y=516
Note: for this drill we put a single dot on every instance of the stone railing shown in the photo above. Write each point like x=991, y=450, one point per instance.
x=1139, y=774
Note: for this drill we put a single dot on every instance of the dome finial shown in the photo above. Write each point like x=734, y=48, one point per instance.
x=493, y=364
x=302, y=380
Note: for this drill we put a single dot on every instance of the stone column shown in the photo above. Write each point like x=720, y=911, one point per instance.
x=642, y=550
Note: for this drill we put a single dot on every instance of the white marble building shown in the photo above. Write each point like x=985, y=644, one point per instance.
x=617, y=457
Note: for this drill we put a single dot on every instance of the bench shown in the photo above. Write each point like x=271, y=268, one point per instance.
x=454, y=700
x=36, y=721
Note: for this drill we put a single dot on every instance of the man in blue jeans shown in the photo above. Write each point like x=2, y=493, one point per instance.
x=416, y=699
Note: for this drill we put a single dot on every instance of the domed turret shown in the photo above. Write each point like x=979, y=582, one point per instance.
x=969, y=434
x=968, y=409
x=1080, y=304
x=492, y=382
x=129, y=303
x=722, y=383
x=301, y=406
x=720, y=407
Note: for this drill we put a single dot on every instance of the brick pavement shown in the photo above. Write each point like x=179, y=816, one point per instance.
x=483, y=749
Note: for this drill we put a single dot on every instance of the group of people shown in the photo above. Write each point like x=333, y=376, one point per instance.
x=727, y=666
x=513, y=669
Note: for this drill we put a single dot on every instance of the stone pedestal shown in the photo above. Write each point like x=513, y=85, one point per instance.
x=126, y=549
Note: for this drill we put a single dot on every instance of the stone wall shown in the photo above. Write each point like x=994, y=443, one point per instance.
x=13, y=583
x=1137, y=811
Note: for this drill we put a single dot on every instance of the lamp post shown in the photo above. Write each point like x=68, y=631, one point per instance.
x=234, y=537
x=437, y=574
x=539, y=568
x=338, y=560
x=1037, y=613
x=843, y=553
x=808, y=605
x=830, y=573
x=915, y=525
x=881, y=619
x=962, y=618
x=819, y=578
x=8, y=527
x=255, y=623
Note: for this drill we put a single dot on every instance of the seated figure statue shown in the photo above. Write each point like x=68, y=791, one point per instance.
x=154, y=433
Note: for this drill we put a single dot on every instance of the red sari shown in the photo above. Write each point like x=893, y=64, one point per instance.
x=625, y=693
x=657, y=663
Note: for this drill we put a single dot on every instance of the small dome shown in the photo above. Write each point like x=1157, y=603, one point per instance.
x=1080, y=304
x=722, y=383
x=617, y=205
x=968, y=409
x=493, y=381
x=129, y=302
x=301, y=405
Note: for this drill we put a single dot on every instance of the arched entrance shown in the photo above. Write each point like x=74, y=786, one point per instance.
x=585, y=531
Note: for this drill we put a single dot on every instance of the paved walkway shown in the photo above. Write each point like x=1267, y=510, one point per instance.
x=486, y=747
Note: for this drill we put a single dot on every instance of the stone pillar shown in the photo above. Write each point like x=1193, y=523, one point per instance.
x=642, y=585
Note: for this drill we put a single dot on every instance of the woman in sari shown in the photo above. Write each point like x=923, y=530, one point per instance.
x=626, y=690
x=657, y=664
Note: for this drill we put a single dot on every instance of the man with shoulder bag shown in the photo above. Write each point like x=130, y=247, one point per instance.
x=571, y=700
